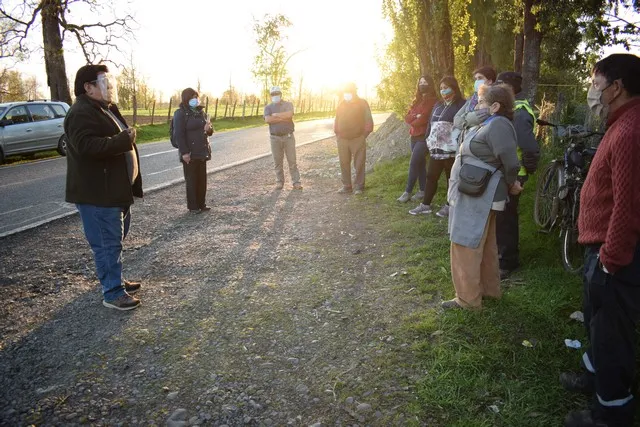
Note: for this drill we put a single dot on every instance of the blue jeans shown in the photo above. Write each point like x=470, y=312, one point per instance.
x=105, y=228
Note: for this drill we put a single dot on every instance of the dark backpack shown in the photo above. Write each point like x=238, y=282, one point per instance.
x=172, y=138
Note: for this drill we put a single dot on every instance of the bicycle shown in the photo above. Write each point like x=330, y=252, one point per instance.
x=557, y=200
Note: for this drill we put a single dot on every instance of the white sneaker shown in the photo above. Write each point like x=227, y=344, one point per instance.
x=418, y=196
x=443, y=212
x=404, y=198
x=421, y=209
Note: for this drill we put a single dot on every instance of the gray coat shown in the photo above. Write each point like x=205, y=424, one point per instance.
x=467, y=117
x=491, y=146
x=496, y=144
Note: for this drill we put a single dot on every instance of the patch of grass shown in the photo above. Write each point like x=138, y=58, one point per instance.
x=474, y=361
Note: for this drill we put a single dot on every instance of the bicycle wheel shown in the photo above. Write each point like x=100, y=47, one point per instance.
x=572, y=251
x=546, y=194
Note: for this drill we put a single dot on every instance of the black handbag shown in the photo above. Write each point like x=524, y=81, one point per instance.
x=473, y=180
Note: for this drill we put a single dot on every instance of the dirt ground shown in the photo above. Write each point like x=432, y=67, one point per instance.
x=275, y=308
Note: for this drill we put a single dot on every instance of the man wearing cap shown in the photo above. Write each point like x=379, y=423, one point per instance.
x=352, y=125
x=279, y=115
x=103, y=176
x=507, y=227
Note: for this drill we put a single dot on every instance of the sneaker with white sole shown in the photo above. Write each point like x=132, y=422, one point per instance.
x=123, y=303
x=418, y=196
x=421, y=209
x=404, y=198
x=443, y=212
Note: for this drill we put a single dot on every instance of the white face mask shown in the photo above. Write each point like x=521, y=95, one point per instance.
x=275, y=99
x=108, y=88
x=594, y=100
x=347, y=97
x=477, y=84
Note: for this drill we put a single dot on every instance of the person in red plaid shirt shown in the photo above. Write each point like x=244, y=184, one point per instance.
x=609, y=226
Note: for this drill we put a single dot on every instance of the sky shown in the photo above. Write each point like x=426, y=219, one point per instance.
x=176, y=43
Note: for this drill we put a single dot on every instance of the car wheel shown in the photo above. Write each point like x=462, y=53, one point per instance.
x=62, y=145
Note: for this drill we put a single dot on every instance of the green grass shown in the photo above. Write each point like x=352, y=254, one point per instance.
x=476, y=358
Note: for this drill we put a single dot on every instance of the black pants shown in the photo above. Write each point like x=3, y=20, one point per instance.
x=195, y=176
x=434, y=170
x=417, y=164
x=508, y=235
x=611, y=312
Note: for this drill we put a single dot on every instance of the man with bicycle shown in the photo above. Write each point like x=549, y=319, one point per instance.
x=609, y=226
x=507, y=227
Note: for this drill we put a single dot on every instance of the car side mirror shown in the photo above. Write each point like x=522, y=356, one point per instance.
x=5, y=122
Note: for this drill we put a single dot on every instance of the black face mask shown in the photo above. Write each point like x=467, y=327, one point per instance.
x=423, y=89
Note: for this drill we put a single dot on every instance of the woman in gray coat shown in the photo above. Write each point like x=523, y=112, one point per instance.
x=192, y=128
x=490, y=146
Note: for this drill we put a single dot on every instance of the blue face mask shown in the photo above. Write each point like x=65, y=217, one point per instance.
x=477, y=84
x=276, y=98
x=446, y=92
x=194, y=102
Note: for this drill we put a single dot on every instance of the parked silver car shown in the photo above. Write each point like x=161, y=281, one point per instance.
x=30, y=126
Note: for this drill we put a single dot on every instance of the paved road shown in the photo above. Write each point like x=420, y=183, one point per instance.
x=32, y=194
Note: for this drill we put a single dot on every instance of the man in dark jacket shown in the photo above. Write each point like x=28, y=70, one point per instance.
x=352, y=125
x=507, y=227
x=103, y=176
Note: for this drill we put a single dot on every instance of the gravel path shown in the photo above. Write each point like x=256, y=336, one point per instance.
x=276, y=308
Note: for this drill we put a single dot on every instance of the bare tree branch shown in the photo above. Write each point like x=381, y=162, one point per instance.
x=14, y=32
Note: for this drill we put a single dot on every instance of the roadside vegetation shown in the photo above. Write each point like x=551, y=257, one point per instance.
x=494, y=367
x=160, y=132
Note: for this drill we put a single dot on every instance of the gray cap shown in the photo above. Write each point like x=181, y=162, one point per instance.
x=275, y=89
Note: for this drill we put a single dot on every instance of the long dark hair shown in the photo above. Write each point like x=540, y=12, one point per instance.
x=451, y=82
x=187, y=94
x=431, y=90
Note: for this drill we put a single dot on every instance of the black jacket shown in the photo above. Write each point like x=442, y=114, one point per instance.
x=97, y=171
x=188, y=128
x=524, y=123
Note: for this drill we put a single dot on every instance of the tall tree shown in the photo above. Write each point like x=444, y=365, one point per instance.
x=270, y=63
x=422, y=44
x=96, y=40
x=531, y=50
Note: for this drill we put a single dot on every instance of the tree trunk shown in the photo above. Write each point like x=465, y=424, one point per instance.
x=437, y=39
x=135, y=97
x=53, y=52
x=518, y=52
x=485, y=23
x=531, y=51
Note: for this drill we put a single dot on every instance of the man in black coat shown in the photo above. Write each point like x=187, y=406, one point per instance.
x=103, y=176
x=507, y=223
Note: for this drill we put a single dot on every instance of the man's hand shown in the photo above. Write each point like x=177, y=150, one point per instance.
x=515, y=189
x=186, y=158
x=132, y=134
x=207, y=127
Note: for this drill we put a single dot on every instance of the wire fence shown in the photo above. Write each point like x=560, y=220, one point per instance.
x=220, y=109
